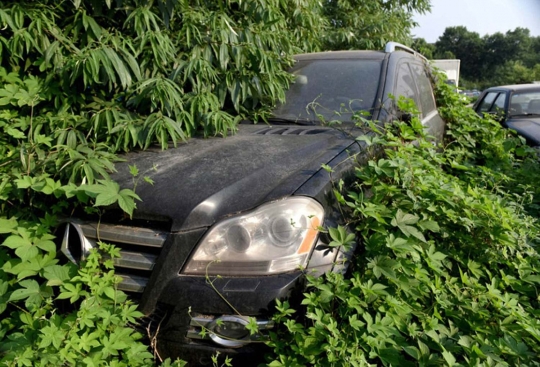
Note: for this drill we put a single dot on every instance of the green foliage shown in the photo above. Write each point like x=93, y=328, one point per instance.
x=356, y=24
x=31, y=285
x=448, y=269
x=83, y=80
x=496, y=59
x=130, y=73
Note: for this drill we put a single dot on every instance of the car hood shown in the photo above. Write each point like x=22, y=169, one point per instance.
x=527, y=127
x=203, y=180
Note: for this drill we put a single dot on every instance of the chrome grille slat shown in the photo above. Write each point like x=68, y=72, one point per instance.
x=135, y=260
x=133, y=266
x=124, y=234
x=132, y=283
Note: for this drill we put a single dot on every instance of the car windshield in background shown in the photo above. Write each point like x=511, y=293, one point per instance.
x=335, y=89
x=526, y=103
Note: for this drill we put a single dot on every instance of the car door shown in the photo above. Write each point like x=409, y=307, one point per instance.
x=412, y=82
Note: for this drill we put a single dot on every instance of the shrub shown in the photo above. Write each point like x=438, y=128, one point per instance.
x=448, y=268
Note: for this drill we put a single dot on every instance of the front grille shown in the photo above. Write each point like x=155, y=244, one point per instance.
x=139, y=249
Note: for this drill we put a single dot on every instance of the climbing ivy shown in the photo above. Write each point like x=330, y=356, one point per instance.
x=448, y=270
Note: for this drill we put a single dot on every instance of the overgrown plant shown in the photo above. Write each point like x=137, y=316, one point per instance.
x=80, y=81
x=130, y=73
x=98, y=330
x=83, y=80
x=448, y=270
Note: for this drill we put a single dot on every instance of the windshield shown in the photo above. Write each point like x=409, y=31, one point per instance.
x=333, y=88
x=525, y=103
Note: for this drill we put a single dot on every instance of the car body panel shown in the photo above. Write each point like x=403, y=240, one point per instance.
x=529, y=128
x=201, y=180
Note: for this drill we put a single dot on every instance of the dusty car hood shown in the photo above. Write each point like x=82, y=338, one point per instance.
x=203, y=180
x=527, y=127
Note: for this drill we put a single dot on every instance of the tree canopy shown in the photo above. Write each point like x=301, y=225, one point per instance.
x=357, y=24
x=165, y=69
x=496, y=59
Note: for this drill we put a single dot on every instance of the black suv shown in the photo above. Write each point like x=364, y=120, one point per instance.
x=230, y=222
x=517, y=107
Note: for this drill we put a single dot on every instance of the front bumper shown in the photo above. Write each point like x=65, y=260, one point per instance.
x=189, y=305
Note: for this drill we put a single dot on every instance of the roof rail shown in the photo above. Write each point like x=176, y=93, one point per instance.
x=393, y=46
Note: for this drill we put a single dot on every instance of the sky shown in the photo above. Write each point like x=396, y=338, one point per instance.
x=481, y=16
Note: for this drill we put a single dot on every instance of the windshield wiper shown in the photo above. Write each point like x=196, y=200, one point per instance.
x=284, y=121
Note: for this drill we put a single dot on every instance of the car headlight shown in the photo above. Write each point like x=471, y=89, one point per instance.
x=274, y=238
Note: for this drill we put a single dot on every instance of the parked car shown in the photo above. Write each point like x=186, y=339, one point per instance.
x=247, y=208
x=516, y=106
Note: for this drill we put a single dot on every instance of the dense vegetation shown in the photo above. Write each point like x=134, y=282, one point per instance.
x=496, y=59
x=448, y=271
x=83, y=80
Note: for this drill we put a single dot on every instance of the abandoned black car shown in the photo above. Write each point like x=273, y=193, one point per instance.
x=516, y=106
x=248, y=207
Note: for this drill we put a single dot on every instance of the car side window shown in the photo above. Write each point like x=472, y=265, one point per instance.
x=405, y=85
x=424, y=85
x=486, y=103
x=499, y=103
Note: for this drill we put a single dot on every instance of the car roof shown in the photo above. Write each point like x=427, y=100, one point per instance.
x=329, y=55
x=517, y=87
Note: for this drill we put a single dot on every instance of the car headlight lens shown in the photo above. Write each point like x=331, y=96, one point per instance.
x=274, y=238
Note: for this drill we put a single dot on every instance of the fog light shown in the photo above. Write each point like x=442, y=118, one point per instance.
x=229, y=331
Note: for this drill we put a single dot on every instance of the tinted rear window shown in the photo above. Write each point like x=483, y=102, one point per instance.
x=327, y=86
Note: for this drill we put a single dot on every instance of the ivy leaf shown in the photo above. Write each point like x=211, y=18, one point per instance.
x=7, y=94
x=126, y=200
x=110, y=292
x=24, y=182
x=30, y=289
x=133, y=170
x=24, y=248
x=56, y=274
x=26, y=252
x=16, y=133
x=51, y=335
x=108, y=194
x=16, y=241
x=449, y=358
x=404, y=222
x=89, y=341
x=403, y=218
x=399, y=245
x=46, y=245
x=355, y=323
x=435, y=255
x=71, y=291
x=430, y=225
x=7, y=225
x=413, y=352
x=4, y=286
x=383, y=265
x=424, y=349
x=340, y=237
